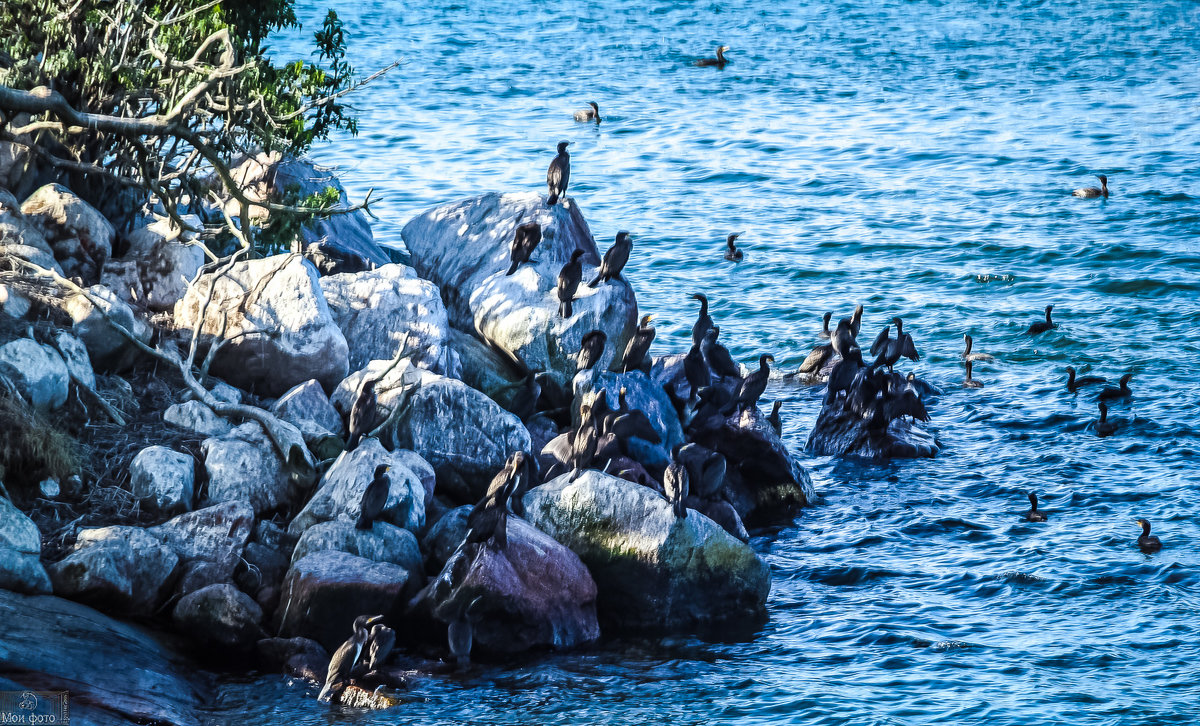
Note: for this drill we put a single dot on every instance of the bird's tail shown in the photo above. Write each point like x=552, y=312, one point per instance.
x=564, y=308
x=362, y=523
x=513, y=268
x=552, y=200
x=595, y=282
x=357, y=437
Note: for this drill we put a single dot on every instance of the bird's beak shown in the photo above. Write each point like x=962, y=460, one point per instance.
x=375, y=619
x=649, y=317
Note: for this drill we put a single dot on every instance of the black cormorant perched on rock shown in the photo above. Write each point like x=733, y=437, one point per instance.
x=843, y=373
x=856, y=321
x=1034, y=515
x=591, y=348
x=379, y=646
x=345, y=658
x=638, y=346
x=525, y=240
x=970, y=382
x=614, y=259
x=589, y=114
x=675, y=485
x=363, y=414
x=568, y=282
x=968, y=355
x=523, y=403
x=1148, y=542
x=816, y=360
x=717, y=356
x=696, y=370
x=774, y=419
x=718, y=62
x=488, y=520
x=703, y=321
x=1104, y=427
x=754, y=384
x=330, y=260
x=374, y=498
x=908, y=403
x=1042, y=326
x=559, y=174
x=583, y=444
x=892, y=350
x=1093, y=192
x=1108, y=393
x=732, y=253
x=843, y=338
x=1074, y=384
x=825, y=332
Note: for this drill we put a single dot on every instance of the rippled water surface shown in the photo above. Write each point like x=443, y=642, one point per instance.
x=916, y=157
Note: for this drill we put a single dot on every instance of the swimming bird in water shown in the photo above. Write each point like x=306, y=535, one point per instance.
x=732, y=253
x=703, y=321
x=363, y=414
x=591, y=348
x=588, y=114
x=1108, y=393
x=1042, y=326
x=825, y=333
x=638, y=346
x=1074, y=384
x=614, y=259
x=754, y=384
x=568, y=283
x=374, y=498
x=675, y=484
x=717, y=356
x=774, y=419
x=1104, y=427
x=526, y=239
x=559, y=174
x=344, y=660
x=718, y=62
x=1093, y=192
x=968, y=355
x=1033, y=515
x=970, y=382
x=1148, y=542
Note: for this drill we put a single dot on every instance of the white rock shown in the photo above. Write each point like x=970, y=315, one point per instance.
x=20, y=546
x=13, y=303
x=195, y=416
x=121, y=569
x=307, y=404
x=215, y=534
x=384, y=542
x=383, y=310
x=38, y=372
x=162, y=479
x=464, y=248
x=108, y=349
x=243, y=464
x=75, y=355
x=281, y=330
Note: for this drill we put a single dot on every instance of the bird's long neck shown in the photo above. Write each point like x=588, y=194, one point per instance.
x=1145, y=529
x=1047, y=315
x=1071, y=378
x=721, y=54
x=703, y=307
x=1032, y=502
x=729, y=244
x=968, y=350
x=825, y=326
x=968, y=371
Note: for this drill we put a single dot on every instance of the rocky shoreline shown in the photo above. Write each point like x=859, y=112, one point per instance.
x=235, y=538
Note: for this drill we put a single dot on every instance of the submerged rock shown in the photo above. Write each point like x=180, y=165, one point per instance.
x=276, y=327
x=534, y=593
x=653, y=571
x=464, y=248
x=383, y=310
x=839, y=432
x=20, y=546
x=121, y=569
x=38, y=372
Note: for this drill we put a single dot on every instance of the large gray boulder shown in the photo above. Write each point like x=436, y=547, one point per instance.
x=533, y=593
x=221, y=618
x=163, y=480
x=325, y=591
x=121, y=569
x=20, y=546
x=21, y=239
x=464, y=248
x=385, y=310
x=307, y=408
x=462, y=433
x=243, y=465
x=214, y=535
x=653, y=571
x=38, y=372
x=277, y=328
x=80, y=236
x=166, y=261
x=116, y=673
x=384, y=542
x=340, y=492
x=196, y=417
x=109, y=350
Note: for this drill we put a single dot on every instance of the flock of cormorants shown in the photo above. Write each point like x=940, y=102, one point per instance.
x=874, y=393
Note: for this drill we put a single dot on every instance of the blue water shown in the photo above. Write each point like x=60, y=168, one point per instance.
x=915, y=157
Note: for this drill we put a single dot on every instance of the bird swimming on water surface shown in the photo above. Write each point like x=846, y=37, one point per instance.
x=525, y=240
x=1074, y=384
x=589, y=114
x=732, y=253
x=970, y=382
x=568, y=283
x=614, y=259
x=346, y=657
x=1093, y=192
x=718, y=62
x=1042, y=326
x=1104, y=427
x=374, y=498
x=559, y=174
x=967, y=354
x=1148, y=542
x=825, y=332
x=1108, y=393
x=1034, y=514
